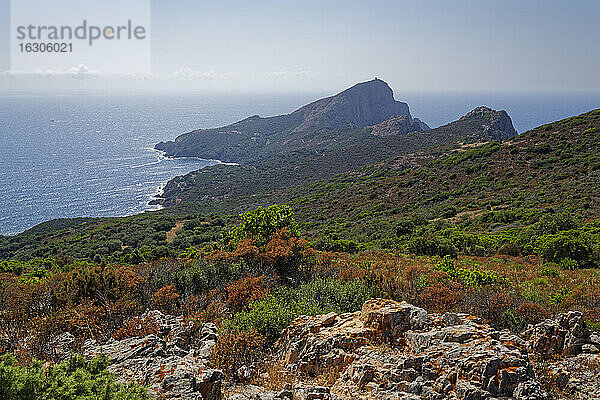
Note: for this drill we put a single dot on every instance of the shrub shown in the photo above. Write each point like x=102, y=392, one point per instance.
x=214, y=312
x=473, y=278
x=431, y=246
x=236, y=349
x=273, y=313
x=75, y=379
x=137, y=327
x=550, y=272
x=260, y=224
x=560, y=296
x=336, y=294
x=405, y=226
x=165, y=299
x=530, y=313
x=338, y=245
x=437, y=298
x=285, y=252
x=572, y=245
x=568, y=264
x=239, y=294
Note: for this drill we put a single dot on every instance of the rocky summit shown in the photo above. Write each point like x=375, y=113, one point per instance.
x=497, y=125
x=364, y=104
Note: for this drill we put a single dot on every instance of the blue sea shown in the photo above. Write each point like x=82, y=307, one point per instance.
x=91, y=155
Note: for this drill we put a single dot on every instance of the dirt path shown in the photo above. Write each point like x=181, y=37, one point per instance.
x=173, y=232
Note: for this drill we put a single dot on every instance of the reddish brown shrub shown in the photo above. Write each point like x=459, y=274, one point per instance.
x=437, y=298
x=247, y=250
x=496, y=305
x=137, y=327
x=241, y=293
x=530, y=313
x=238, y=348
x=165, y=299
x=214, y=312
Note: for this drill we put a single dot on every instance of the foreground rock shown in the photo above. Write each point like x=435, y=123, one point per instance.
x=392, y=350
x=173, y=363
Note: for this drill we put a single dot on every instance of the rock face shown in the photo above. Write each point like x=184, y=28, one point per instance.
x=171, y=363
x=563, y=336
x=392, y=350
x=498, y=125
x=388, y=350
x=364, y=104
x=400, y=125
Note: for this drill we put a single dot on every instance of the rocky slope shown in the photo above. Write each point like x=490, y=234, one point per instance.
x=499, y=125
x=173, y=363
x=388, y=350
x=392, y=350
x=391, y=138
x=400, y=125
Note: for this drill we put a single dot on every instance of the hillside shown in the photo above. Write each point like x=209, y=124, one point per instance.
x=553, y=168
x=256, y=139
x=385, y=282
x=223, y=187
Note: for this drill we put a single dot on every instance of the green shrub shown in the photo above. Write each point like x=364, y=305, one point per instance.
x=337, y=245
x=260, y=224
x=550, y=272
x=568, y=264
x=473, y=278
x=432, y=246
x=571, y=244
x=559, y=296
x=75, y=379
x=272, y=314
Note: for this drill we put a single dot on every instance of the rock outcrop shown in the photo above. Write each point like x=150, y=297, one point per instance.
x=388, y=350
x=400, y=125
x=364, y=104
x=497, y=126
x=564, y=335
x=173, y=363
x=396, y=350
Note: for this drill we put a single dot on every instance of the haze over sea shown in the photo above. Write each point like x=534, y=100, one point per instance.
x=91, y=155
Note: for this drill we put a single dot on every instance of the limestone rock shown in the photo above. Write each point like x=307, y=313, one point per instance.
x=561, y=336
x=62, y=346
x=499, y=126
x=392, y=350
x=364, y=104
x=173, y=362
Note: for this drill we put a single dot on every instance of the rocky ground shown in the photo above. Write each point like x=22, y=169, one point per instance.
x=388, y=350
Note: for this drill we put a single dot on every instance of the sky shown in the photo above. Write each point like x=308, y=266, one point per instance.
x=232, y=46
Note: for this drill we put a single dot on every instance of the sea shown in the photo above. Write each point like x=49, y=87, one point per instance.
x=67, y=156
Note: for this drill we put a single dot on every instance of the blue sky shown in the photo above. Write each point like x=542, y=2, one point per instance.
x=271, y=46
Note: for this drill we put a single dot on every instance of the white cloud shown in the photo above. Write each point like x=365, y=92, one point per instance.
x=81, y=71
x=188, y=74
x=185, y=73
